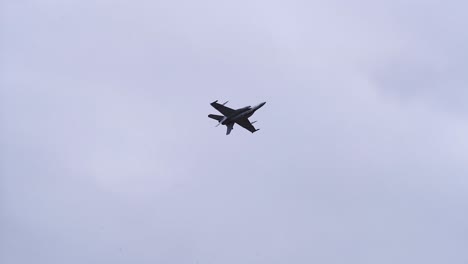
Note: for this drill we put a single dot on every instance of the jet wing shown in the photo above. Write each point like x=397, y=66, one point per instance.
x=245, y=123
x=222, y=109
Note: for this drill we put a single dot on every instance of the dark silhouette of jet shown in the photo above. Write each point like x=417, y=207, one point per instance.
x=235, y=116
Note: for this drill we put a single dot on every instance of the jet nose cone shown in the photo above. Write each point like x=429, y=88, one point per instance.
x=262, y=104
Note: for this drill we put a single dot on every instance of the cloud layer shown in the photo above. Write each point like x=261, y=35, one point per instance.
x=107, y=154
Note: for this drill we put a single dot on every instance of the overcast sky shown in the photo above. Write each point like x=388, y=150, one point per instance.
x=107, y=154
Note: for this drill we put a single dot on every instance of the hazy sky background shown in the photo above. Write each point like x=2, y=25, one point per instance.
x=108, y=156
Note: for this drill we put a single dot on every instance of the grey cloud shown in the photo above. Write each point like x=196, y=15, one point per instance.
x=431, y=64
x=107, y=154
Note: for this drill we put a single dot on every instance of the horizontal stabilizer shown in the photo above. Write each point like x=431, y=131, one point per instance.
x=216, y=117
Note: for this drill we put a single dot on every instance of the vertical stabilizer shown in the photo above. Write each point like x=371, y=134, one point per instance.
x=229, y=128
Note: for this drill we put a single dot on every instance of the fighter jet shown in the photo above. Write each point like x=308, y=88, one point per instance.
x=232, y=116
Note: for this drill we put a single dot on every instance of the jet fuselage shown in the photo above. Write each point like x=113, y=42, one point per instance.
x=244, y=112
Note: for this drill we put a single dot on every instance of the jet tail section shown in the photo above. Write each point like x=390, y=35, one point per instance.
x=229, y=129
x=216, y=117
